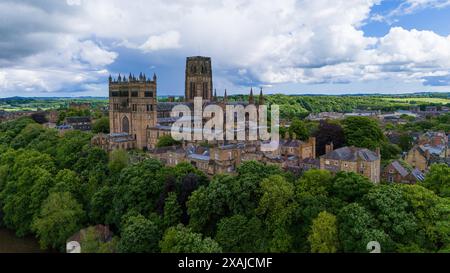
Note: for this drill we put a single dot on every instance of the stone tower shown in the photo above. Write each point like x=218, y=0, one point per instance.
x=198, y=79
x=132, y=106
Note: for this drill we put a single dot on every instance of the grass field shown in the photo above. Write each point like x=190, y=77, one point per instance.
x=419, y=100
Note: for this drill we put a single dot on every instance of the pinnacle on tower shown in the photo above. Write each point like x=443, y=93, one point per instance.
x=110, y=78
x=225, y=97
x=261, y=97
x=251, y=99
x=154, y=77
x=119, y=78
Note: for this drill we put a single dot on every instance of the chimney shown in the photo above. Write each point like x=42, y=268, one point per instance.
x=378, y=152
x=329, y=148
x=312, y=141
x=286, y=135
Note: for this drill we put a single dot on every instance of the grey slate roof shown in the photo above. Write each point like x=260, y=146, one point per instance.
x=352, y=154
x=78, y=119
x=400, y=169
x=167, y=106
x=418, y=174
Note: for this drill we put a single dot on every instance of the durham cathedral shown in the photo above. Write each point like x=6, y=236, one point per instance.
x=137, y=120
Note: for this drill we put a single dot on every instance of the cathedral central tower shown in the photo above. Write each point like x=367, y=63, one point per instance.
x=198, y=78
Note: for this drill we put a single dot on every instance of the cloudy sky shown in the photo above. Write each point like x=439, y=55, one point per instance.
x=69, y=47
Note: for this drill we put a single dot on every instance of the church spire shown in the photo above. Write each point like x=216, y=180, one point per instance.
x=251, y=99
x=225, y=97
x=261, y=98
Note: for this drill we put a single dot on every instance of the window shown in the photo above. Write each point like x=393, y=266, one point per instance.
x=192, y=90
x=148, y=94
x=134, y=93
x=149, y=107
x=205, y=90
x=134, y=106
x=115, y=93
x=125, y=125
x=327, y=162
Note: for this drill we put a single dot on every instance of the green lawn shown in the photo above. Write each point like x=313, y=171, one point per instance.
x=419, y=100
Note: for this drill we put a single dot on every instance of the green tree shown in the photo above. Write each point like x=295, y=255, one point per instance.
x=389, y=151
x=118, y=160
x=69, y=148
x=298, y=128
x=357, y=227
x=438, y=180
x=60, y=217
x=68, y=181
x=29, y=133
x=389, y=208
x=227, y=195
x=405, y=142
x=432, y=214
x=315, y=182
x=166, y=141
x=277, y=206
x=172, y=211
x=138, y=189
x=101, y=126
x=241, y=234
x=363, y=132
x=350, y=187
x=22, y=198
x=139, y=235
x=180, y=239
x=100, y=205
x=91, y=243
x=324, y=236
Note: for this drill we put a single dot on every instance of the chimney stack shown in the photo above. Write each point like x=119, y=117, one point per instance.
x=329, y=148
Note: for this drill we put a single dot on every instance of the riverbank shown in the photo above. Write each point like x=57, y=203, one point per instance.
x=10, y=243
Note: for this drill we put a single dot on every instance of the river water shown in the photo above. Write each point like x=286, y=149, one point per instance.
x=10, y=243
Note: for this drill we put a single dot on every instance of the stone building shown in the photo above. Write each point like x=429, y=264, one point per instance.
x=132, y=106
x=352, y=159
x=198, y=78
x=78, y=123
x=138, y=121
x=395, y=172
x=80, y=105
